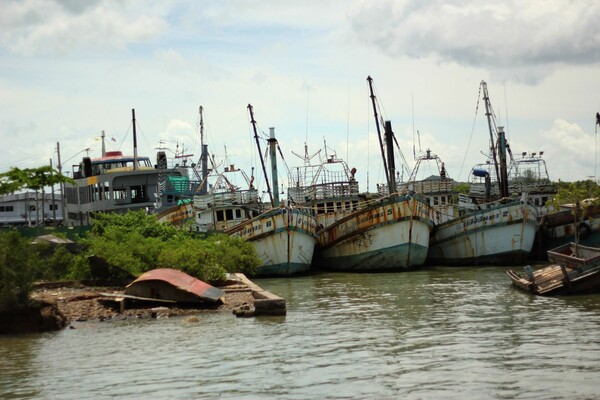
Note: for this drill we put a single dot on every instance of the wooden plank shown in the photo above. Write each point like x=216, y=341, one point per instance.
x=127, y=296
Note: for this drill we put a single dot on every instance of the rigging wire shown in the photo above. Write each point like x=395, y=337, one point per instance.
x=471, y=136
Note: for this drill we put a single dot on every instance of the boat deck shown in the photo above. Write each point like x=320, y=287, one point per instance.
x=556, y=279
x=544, y=280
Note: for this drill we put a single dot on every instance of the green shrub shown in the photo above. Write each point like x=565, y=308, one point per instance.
x=136, y=242
x=17, y=269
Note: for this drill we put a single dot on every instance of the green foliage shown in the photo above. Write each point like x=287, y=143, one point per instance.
x=211, y=258
x=136, y=243
x=194, y=257
x=58, y=264
x=79, y=268
x=235, y=254
x=462, y=188
x=17, y=269
x=130, y=244
x=30, y=178
x=581, y=194
x=106, y=224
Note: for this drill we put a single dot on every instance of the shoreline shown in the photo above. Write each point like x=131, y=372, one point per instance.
x=90, y=303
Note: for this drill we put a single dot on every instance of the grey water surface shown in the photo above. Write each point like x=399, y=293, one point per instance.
x=451, y=333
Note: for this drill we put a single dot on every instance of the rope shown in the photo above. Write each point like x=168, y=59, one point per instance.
x=471, y=136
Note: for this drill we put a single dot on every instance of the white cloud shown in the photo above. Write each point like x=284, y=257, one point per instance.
x=44, y=27
x=508, y=38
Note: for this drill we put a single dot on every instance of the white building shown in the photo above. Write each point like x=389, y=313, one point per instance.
x=23, y=209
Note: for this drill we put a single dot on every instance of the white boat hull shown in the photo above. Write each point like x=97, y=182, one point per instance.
x=501, y=235
x=284, y=239
x=393, y=234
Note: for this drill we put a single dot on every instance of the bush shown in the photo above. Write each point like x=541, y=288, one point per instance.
x=136, y=242
x=17, y=270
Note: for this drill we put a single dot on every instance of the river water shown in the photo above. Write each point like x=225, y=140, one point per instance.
x=452, y=333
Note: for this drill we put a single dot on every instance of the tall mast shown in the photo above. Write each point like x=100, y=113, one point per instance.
x=389, y=143
x=488, y=114
x=135, y=152
x=502, y=147
x=273, y=155
x=203, y=154
x=385, y=167
x=262, y=161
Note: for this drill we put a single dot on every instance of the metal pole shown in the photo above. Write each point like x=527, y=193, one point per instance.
x=53, y=202
x=273, y=155
x=385, y=167
x=262, y=161
x=135, y=152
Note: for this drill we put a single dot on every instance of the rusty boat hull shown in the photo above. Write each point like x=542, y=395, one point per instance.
x=284, y=239
x=502, y=234
x=392, y=234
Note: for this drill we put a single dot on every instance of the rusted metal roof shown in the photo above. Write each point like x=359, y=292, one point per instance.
x=181, y=281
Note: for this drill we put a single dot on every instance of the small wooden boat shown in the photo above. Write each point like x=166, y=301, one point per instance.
x=576, y=270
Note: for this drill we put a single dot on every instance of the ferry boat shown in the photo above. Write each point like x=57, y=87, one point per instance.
x=116, y=183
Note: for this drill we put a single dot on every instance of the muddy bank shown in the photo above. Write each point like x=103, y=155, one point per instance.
x=98, y=303
x=37, y=316
x=56, y=305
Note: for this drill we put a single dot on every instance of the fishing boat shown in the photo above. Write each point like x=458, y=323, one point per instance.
x=329, y=187
x=183, y=187
x=575, y=270
x=527, y=173
x=116, y=183
x=230, y=199
x=492, y=228
x=284, y=236
x=358, y=233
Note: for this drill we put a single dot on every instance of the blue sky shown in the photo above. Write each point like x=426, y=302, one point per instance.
x=70, y=69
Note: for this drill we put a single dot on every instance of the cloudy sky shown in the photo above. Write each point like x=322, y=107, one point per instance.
x=70, y=69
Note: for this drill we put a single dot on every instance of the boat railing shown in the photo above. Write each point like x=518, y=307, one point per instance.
x=301, y=194
x=433, y=186
x=530, y=187
x=226, y=198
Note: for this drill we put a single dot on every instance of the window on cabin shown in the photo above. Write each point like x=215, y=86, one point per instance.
x=330, y=207
x=138, y=194
x=119, y=193
x=238, y=213
x=229, y=214
x=320, y=208
x=220, y=215
x=338, y=206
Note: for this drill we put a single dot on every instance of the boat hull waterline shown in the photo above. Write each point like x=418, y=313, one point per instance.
x=500, y=235
x=390, y=235
x=284, y=239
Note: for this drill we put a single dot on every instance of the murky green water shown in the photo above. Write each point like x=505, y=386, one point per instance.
x=460, y=333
